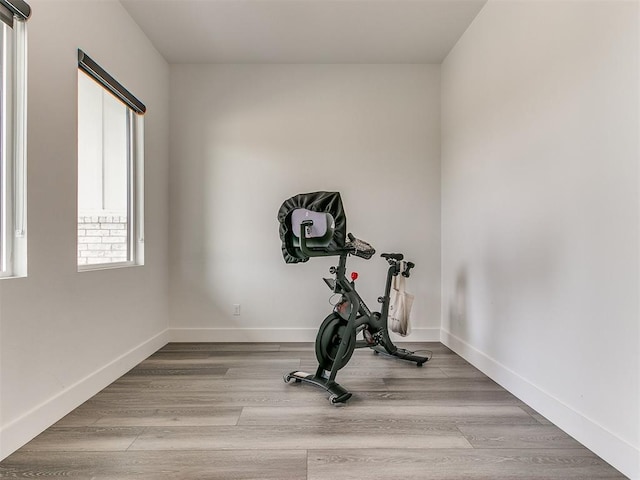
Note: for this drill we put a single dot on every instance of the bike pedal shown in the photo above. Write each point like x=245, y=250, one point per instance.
x=368, y=337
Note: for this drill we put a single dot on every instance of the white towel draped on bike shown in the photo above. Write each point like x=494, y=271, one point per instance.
x=400, y=303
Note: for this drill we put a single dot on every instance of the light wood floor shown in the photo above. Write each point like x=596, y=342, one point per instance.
x=222, y=411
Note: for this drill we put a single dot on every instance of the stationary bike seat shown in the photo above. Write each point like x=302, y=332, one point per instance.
x=393, y=256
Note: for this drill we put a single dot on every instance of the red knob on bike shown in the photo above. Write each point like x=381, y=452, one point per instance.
x=354, y=276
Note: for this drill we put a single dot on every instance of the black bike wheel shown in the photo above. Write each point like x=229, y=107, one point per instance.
x=328, y=341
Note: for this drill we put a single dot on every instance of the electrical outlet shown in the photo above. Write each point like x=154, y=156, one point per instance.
x=236, y=309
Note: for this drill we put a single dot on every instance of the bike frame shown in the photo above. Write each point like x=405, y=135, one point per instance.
x=363, y=315
x=360, y=317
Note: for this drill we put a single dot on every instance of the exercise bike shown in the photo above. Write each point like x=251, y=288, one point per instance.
x=314, y=225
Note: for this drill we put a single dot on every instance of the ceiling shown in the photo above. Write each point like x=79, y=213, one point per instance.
x=303, y=31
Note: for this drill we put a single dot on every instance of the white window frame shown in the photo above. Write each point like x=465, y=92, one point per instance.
x=13, y=139
x=135, y=165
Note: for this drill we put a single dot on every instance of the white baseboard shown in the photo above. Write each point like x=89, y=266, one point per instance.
x=277, y=335
x=23, y=429
x=617, y=452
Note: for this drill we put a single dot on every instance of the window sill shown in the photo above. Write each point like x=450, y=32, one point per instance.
x=107, y=266
x=12, y=276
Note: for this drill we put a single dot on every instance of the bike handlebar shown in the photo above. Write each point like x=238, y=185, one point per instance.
x=407, y=272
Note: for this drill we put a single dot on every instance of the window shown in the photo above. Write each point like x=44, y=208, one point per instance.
x=110, y=177
x=13, y=121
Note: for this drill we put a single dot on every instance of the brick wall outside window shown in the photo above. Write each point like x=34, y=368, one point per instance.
x=102, y=239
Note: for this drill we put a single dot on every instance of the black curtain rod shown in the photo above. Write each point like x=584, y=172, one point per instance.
x=95, y=71
x=17, y=7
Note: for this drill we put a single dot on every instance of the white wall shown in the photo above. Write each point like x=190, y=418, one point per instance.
x=246, y=137
x=540, y=212
x=65, y=335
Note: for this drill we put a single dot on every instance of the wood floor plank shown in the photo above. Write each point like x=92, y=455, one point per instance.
x=145, y=370
x=459, y=464
x=291, y=396
x=425, y=416
x=158, y=417
x=541, y=419
x=420, y=398
x=159, y=465
x=307, y=394
x=79, y=418
x=95, y=439
x=175, y=417
x=369, y=360
x=225, y=384
x=228, y=353
x=446, y=384
x=465, y=371
x=517, y=436
x=257, y=371
x=447, y=361
x=178, y=355
x=386, y=372
x=285, y=437
x=221, y=347
x=347, y=372
x=285, y=363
